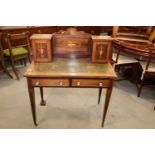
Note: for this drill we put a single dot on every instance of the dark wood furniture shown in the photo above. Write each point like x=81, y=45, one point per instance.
x=101, y=49
x=76, y=70
x=42, y=47
x=95, y=30
x=72, y=43
x=18, y=50
x=147, y=66
x=122, y=61
x=65, y=73
x=2, y=65
x=30, y=29
x=126, y=41
x=137, y=32
x=144, y=52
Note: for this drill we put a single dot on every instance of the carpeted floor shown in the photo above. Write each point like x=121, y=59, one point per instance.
x=75, y=108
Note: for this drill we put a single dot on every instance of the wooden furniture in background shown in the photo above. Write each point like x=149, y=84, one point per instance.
x=101, y=49
x=65, y=73
x=137, y=32
x=127, y=40
x=18, y=51
x=129, y=54
x=144, y=53
x=122, y=60
x=95, y=30
x=30, y=29
x=42, y=47
x=147, y=66
x=2, y=65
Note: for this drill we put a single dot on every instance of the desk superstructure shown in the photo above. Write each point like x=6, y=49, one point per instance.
x=70, y=73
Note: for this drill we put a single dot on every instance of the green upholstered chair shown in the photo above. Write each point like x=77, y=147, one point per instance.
x=18, y=49
x=15, y=51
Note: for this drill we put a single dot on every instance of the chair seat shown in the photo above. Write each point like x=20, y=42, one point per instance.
x=16, y=51
x=122, y=59
x=151, y=67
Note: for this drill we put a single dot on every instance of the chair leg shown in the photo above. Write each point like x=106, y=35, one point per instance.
x=24, y=62
x=29, y=57
x=14, y=69
x=140, y=88
x=6, y=71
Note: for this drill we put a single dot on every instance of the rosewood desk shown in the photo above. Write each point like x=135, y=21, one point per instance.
x=74, y=73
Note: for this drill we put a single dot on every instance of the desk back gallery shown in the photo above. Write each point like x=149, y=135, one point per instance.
x=71, y=44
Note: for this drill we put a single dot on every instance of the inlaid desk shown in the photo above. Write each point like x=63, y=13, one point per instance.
x=73, y=73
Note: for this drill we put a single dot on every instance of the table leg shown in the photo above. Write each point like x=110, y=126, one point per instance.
x=32, y=100
x=43, y=102
x=99, y=96
x=107, y=99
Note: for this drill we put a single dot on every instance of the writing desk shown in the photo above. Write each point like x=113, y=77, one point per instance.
x=74, y=73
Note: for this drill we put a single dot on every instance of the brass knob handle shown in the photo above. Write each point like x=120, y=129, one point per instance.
x=78, y=83
x=37, y=83
x=61, y=83
x=100, y=84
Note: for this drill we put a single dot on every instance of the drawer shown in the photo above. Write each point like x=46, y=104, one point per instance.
x=90, y=83
x=50, y=82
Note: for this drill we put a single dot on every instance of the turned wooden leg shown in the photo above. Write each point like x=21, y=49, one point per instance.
x=43, y=102
x=99, y=96
x=32, y=100
x=107, y=99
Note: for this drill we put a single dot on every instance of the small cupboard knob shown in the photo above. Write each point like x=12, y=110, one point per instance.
x=37, y=83
x=100, y=84
x=78, y=83
x=61, y=83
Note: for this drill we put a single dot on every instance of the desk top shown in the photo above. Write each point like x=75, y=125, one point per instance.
x=81, y=68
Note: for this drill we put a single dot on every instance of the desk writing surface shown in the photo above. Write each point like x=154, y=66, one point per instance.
x=70, y=68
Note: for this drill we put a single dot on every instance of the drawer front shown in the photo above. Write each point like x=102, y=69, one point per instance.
x=90, y=83
x=50, y=82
